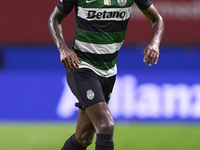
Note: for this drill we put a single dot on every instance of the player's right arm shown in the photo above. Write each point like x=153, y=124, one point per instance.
x=68, y=58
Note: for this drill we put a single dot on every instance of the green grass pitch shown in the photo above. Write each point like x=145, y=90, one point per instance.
x=126, y=136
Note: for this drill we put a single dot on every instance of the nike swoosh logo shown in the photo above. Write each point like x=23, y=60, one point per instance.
x=89, y=1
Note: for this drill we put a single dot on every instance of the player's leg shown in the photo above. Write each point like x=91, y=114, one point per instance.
x=87, y=87
x=103, y=123
x=99, y=120
x=84, y=134
x=102, y=118
x=84, y=130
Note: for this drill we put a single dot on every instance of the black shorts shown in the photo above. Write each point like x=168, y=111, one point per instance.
x=89, y=88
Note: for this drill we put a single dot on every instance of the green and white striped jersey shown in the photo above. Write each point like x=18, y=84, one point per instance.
x=100, y=31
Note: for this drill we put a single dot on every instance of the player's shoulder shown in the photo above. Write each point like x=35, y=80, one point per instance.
x=66, y=6
x=67, y=1
x=143, y=4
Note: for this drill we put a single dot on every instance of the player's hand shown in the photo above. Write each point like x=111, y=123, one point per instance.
x=69, y=59
x=151, y=54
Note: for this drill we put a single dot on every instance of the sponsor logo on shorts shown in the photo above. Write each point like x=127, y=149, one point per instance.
x=90, y=94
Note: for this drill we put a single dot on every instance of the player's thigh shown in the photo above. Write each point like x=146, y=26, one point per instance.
x=101, y=118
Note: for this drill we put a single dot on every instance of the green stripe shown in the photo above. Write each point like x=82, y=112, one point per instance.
x=99, y=37
x=101, y=65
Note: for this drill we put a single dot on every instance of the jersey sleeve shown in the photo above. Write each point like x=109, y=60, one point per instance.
x=143, y=4
x=65, y=6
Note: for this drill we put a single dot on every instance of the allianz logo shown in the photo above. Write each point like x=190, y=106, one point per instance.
x=131, y=100
x=105, y=14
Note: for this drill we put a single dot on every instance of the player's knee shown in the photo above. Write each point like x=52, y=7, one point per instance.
x=107, y=128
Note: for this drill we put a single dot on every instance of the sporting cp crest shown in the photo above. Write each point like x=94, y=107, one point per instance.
x=90, y=94
x=121, y=2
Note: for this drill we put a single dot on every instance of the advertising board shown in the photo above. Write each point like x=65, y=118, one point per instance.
x=33, y=86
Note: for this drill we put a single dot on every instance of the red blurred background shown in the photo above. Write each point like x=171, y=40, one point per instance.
x=26, y=22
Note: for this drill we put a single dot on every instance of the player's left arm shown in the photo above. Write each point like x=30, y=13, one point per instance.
x=151, y=52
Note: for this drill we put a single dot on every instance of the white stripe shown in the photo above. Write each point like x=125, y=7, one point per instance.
x=97, y=48
x=83, y=13
x=103, y=73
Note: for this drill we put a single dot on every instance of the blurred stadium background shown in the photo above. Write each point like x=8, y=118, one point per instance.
x=154, y=107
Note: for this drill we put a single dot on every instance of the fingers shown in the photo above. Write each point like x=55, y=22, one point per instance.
x=67, y=63
x=156, y=60
x=146, y=54
x=75, y=61
x=150, y=56
x=70, y=61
